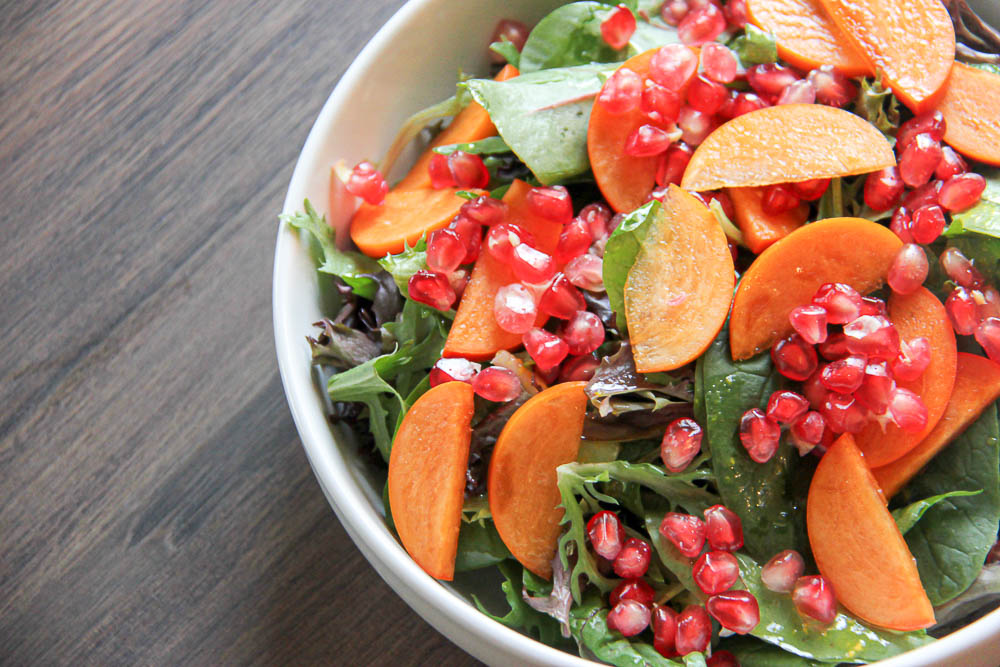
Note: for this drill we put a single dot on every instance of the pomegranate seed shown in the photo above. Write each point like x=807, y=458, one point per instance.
x=702, y=24
x=797, y=92
x=445, y=251
x=962, y=191
x=468, y=170
x=990, y=306
x=723, y=528
x=647, y=141
x=907, y=410
x=716, y=571
x=471, y=233
x=873, y=336
x=459, y=280
x=718, y=63
x=503, y=238
x=927, y=224
x=671, y=167
x=439, y=172
x=514, y=31
x=883, y=189
x=673, y=11
x=900, y=224
x=843, y=414
x=876, y=387
x=681, y=443
x=844, y=375
x=586, y=272
x=583, y=332
x=814, y=391
x=633, y=560
x=621, y=92
x=496, y=384
x=919, y=159
x=988, y=335
x=633, y=589
x=813, y=598
x=573, y=241
x=914, y=358
x=769, y=80
x=673, y=66
x=560, y=299
x=629, y=617
x=779, y=199
x=552, y=203
x=722, y=658
x=431, y=288
x=794, y=358
x=736, y=14
x=809, y=322
x=786, y=406
x=832, y=88
x=596, y=216
x=962, y=309
x=871, y=305
x=694, y=125
x=759, y=434
x=705, y=95
x=781, y=572
x=908, y=270
x=736, y=611
x=606, y=534
x=665, y=631
x=807, y=431
x=744, y=103
x=959, y=269
x=368, y=183
x=660, y=104
x=842, y=302
x=579, y=369
x=694, y=630
x=925, y=195
x=485, y=210
x=514, y=308
x=951, y=164
x=618, y=27
x=931, y=123
x=811, y=190
x=531, y=265
x=546, y=349
x=835, y=346
x=453, y=369
x=685, y=532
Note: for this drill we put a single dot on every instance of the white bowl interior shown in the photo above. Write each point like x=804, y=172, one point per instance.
x=412, y=62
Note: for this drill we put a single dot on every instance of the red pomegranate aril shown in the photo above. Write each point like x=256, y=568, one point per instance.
x=496, y=384
x=813, y=598
x=660, y=104
x=794, y=358
x=471, y=233
x=931, y=123
x=431, y=288
x=453, y=369
x=681, y=443
x=618, y=27
x=962, y=311
x=988, y=336
x=633, y=589
x=723, y=529
x=834, y=347
x=621, y=92
x=502, y=238
x=927, y=224
x=914, y=358
x=629, y=617
x=962, y=191
x=908, y=270
x=951, y=164
x=770, y=79
x=807, y=431
x=843, y=414
x=809, y=321
x=574, y=240
x=842, y=302
x=786, y=406
x=722, y=658
x=705, y=95
x=586, y=272
x=695, y=125
x=736, y=13
x=671, y=167
x=513, y=31
x=989, y=305
x=759, y=434
x=883, y=189
x=872, y=336
x=871, y=305
x=686, y=532
x=531, y=265
x=579, y=369
x=665, y=630
x=925, y=195
x=439, y=172
x=606, y=534
x=596, y=217
x=468, y=170
x=797, y=92
x=718, y=62
x=368, y=183
x=546, y=349
x=694, y=630
x=702, y=24
x=648, y=140
x=485, y=210
x=583, y=332
x=561, y=299
x=810, y=190
x=743, y=103
x=919, y=159
x=844, y=376
x=552, y=203
x=907, y=410
x=781, y=572
x=445, y=251
x=673, y=66
x=876, y=387
x=779, y=199
x=514, y=308
x=960, y=269
x=633, y=560
x=814, y=391
x=673, y=11
x=736, y=611
x=900, y=224
x=715, y=572
x=832, y=87
x=459, y=280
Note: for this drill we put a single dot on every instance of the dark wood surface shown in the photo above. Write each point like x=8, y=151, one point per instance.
x=157, y=507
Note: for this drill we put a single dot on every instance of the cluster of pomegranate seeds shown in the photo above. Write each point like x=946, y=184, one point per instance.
x=618, y=27
x=681, y=443
x=812, y=595
x=458, y=170
x=367, y=182
x=973, y=305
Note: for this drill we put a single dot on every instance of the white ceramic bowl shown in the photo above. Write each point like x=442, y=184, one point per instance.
x=410, y=63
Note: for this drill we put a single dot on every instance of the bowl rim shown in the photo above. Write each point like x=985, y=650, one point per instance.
x=461, y=622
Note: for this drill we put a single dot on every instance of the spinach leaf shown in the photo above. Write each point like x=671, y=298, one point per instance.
x=479, y=546
x=755, y=47
x=487, y=146
x=589, y=624
x=620, y=253
x=984, y=591
x=907, y=517
x=506, y=48
x=403, y=265
x=752, y=652
x=762, y=494
x=567, y=36
x=951, y=541
x=543, y=116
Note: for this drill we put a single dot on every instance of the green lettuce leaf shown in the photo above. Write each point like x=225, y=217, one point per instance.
x=907, y=517
x=521, y=616
x=755, y=47
x=620, y=253
x=589, y=625
x=570, y=35
x=479, y=546
x=403, y=265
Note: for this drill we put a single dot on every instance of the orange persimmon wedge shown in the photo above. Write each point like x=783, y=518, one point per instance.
x=761, y=229
x=787, y=144
x=857, y=545
x=912, y=43
x=914, y=315
x=679, y=289
x=853, y=251
x=806, y=36
x=404, y=217
x=977, y=385
x=540, y=436
x=474, y=333
x=427, y=476
x=971, y=108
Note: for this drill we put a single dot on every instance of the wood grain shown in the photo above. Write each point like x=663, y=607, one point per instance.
x=155, y=503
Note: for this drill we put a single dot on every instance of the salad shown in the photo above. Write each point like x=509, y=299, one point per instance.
x=686, y=321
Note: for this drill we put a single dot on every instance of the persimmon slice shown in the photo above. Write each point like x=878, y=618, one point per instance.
x=914, y=315
x=857, y=545
x=404, y=217
x=761, y=229
x=679, y=289
x=427, y=476
x=806, y=35
x=977, y=385
x=853, y=251
x=787, y=144
x=912, y=43
x=540, y=436
x=971, y=108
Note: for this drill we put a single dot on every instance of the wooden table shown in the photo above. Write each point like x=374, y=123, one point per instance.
x=157, y=507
